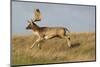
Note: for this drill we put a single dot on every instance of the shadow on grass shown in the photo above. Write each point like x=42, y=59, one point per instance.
x=75, y=45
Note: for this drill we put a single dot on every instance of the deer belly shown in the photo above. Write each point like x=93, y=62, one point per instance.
x=50, y=36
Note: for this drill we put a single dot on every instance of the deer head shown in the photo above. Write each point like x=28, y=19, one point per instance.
x=32, y=25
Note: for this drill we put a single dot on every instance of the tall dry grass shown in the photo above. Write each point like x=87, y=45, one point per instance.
x=53, y=50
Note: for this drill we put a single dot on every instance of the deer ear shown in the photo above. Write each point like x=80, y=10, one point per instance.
x=31, y=20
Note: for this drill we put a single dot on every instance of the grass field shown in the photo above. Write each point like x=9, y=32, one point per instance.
x=53, y=50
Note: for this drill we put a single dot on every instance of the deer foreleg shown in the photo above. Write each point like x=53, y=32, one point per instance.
x=68, y=41
x=35, y=42
x=41, y=39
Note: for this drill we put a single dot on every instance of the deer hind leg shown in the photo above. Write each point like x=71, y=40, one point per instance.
x=68, y=41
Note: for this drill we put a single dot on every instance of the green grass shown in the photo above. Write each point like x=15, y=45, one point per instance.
x=53, y=50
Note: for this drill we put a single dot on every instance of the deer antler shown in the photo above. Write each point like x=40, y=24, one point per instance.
x=37, y=16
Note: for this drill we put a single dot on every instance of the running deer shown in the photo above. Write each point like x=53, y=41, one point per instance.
x=45, y=33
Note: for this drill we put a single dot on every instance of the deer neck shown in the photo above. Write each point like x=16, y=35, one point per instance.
x=35, y=28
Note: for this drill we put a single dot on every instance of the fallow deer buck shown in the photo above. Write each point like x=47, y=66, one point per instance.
x=45, y=33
